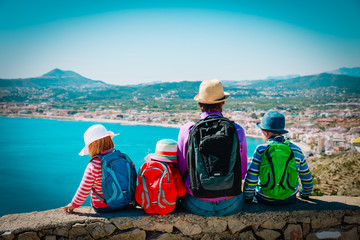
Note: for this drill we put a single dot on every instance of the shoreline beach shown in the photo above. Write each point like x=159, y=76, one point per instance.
x=126, y=122
x=304, y=147
x=100, y=120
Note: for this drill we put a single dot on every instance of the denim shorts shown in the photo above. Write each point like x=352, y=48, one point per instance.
x=226, y=207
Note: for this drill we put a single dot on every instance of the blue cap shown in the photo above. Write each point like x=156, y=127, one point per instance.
x=273, y=121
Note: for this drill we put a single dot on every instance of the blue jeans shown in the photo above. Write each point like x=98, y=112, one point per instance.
x=220, y=208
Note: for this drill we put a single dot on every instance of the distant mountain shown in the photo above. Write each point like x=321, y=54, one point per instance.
x=182, y=90
x=283, y=77
x=314, y=81
x=68, y=85
x=235, y=83
x=274, y=80
x=243, y=83
x=355, y=72
x=145, y=84
x=58, y=73
x=188, y=89
x=54, y=79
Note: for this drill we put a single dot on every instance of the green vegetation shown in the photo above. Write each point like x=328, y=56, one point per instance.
x=336, y=174
x=317, y=192
x=70, y=90
x=348, y=165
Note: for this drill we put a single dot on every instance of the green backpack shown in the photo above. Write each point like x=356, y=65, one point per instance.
x=278, y=172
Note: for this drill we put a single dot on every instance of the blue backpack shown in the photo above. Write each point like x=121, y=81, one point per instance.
x=118, y=179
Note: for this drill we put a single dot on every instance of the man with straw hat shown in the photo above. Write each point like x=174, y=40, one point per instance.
x=211, y=99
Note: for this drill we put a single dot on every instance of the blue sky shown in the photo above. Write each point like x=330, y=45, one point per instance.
x=127, y=42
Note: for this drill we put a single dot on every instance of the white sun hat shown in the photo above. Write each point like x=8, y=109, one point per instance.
x=93, y=133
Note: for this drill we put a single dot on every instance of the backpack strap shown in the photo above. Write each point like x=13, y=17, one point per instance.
x=98, y=196
x=97, y=156
x=161, y=193
x=286, y=165
x=292, y=155
x=93, y=189
x=213, y=115
x=271, y=164
x=102, y=155
x=146, y=191
x=207, y=117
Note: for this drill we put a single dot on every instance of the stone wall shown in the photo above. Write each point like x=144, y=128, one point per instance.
x=258, y=222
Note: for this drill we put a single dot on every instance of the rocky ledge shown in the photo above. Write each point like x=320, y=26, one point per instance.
x=318, y=218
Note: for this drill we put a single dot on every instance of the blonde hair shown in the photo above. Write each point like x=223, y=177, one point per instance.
x=100, y=145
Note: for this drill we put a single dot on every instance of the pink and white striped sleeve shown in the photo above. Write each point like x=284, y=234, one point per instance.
x=84, y=189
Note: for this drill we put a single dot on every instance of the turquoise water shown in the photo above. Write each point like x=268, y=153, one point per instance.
x=40, y=167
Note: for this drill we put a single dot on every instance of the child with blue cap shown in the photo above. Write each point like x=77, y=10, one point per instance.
x=276, y=166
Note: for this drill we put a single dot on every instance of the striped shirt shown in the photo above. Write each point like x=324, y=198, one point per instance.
x=91, y=179
x=252, y=181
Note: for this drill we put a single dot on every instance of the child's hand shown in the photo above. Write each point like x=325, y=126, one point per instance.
x=69, y=208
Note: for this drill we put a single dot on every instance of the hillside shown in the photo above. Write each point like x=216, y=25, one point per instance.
x=355, y=72
x=314, y=81
x=59, y=85
x=182, y=90
x=337, y=174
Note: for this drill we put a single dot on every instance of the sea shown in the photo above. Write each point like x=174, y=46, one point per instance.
x=40, y=168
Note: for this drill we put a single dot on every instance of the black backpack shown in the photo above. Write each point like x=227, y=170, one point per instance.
x=213, y=158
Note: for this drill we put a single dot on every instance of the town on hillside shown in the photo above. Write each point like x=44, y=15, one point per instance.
x=327, y=129
x=322, y=110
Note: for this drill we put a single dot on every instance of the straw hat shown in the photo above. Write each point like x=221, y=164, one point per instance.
x=166, y=151
x=211, y=92
x=93, y=133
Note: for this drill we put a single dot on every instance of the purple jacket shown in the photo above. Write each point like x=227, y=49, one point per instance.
x=182, y=150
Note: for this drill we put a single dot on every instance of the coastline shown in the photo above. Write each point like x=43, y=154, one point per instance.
x=303, y=146
x=124, y=122
x=100, y=120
